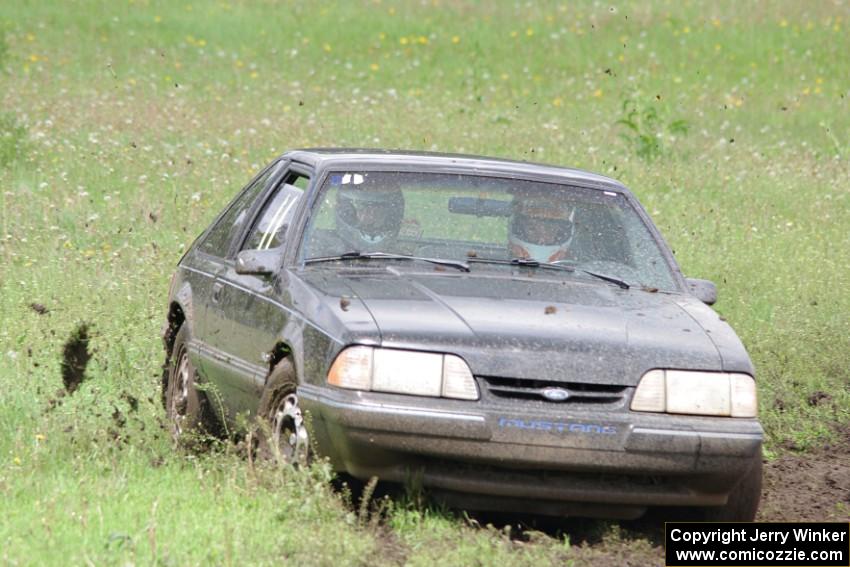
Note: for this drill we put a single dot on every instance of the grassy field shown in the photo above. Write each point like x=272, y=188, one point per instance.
x=125, y=126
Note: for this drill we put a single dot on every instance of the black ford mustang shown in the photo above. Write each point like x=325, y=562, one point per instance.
x=517, y=336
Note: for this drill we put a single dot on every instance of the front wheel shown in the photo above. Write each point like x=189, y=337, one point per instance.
x=743, y=501
x=283, y=433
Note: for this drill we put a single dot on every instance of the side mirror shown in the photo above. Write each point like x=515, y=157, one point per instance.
x=259, y=262
x=704, y=290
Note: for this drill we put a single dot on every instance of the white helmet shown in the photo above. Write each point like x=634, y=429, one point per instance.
x=368, y=217
x=541, y=228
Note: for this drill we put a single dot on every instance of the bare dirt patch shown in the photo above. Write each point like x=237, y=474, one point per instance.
x=391, y=549
x=811, y=486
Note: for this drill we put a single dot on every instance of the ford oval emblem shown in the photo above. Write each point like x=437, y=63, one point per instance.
x=555, y=394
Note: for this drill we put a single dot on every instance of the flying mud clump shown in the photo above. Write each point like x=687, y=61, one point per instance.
x=75, y=358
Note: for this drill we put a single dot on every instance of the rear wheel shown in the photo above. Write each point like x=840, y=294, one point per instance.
x=283, y=434
x=187, y=409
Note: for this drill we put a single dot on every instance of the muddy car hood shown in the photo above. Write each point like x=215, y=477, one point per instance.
x=562, y=328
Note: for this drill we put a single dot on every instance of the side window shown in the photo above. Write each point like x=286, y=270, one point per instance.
x=277, y=214
x=217, y=241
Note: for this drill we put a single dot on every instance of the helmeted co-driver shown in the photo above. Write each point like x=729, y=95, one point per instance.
x=541, y=228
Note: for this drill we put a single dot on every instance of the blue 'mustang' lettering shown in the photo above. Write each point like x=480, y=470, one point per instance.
x=538, y=425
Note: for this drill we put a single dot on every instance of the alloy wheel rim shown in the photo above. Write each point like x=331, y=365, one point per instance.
x=180, y=398
x=289, y=433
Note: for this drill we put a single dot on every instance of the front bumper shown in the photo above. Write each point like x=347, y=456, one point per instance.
x=533, y=451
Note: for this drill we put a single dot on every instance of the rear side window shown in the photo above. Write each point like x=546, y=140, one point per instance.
x=217, y=241
x=277, y=214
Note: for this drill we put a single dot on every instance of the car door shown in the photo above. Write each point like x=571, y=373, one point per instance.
x=206, y=260
x=248, y=310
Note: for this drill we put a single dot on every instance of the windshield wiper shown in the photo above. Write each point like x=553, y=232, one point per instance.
x=531, y=263
x=607, y=278
x=526, y=263
x=386, y=256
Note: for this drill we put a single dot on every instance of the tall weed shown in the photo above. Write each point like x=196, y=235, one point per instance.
x=646, y=128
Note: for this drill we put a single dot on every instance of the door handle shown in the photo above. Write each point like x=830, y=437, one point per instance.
x=216, y=291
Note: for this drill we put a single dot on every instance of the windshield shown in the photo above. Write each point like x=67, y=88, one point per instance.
x=460, y=217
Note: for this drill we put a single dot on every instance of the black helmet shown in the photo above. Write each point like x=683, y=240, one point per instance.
x=367, y=214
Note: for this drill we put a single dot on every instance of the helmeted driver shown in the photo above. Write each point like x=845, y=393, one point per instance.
x=541, y=228
x=368, y=215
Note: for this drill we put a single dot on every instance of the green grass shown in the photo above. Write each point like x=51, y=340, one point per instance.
x=126, y=126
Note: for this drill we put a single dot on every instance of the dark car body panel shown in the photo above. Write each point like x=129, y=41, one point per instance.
x=510, y=322
x=594, y=333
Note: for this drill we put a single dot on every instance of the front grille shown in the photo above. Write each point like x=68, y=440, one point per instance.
x=574, y=393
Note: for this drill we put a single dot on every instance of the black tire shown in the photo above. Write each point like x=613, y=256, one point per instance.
x=743, y=501
x=189, y=415
x=282, y=433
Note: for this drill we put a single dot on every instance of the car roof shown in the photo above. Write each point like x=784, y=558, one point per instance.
x=431, y=161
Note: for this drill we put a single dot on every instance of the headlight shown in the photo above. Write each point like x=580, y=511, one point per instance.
x=403, y=372
x=697, y=393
